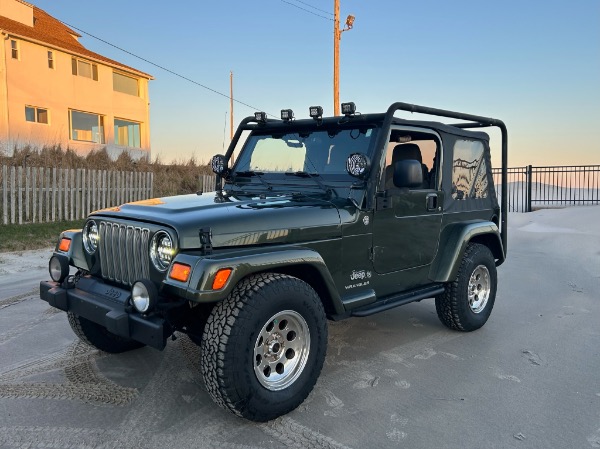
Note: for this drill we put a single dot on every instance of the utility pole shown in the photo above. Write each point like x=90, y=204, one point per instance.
x=337, y=36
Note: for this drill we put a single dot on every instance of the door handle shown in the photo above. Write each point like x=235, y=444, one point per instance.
x=432, y=201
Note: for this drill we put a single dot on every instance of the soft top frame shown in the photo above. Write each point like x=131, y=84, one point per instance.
x=385, y=121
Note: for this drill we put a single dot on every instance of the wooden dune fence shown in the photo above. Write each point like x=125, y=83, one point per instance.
x=207, y=183
x=36, y=195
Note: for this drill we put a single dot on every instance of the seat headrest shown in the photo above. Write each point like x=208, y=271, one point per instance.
x=406, y=151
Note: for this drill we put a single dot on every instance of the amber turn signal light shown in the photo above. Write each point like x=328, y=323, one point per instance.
x=64, y=245
x=221, y=278
x=180, y=272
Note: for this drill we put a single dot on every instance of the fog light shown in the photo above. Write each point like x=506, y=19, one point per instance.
x=144, y=295
x=58, y=268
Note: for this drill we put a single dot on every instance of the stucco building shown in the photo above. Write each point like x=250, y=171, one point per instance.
x=55, y=91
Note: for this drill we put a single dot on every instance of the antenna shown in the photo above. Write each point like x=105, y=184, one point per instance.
x=224, y=128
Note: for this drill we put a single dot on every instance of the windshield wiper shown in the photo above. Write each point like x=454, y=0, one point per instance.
x=314, y=176
x=253, y=173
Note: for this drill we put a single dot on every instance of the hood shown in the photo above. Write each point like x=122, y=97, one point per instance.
x=235, y=221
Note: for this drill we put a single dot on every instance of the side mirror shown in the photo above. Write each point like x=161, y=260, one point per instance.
x=218, y=164
x=408, y=174
x=358, y=165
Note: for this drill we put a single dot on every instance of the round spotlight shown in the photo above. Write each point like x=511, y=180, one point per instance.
x=218, y=164
x=143, y=295
x=90, y=237
x=358, y=165
x=58, y=268
x=162, y=250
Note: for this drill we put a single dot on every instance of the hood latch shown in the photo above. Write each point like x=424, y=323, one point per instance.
x=205, y=241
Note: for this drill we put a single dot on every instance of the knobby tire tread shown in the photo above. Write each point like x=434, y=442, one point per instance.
x=447, y=304
x=98, y=337
x=221, y=324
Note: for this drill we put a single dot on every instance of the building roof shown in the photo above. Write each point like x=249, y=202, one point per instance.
x=52, y=32
x=25, y=3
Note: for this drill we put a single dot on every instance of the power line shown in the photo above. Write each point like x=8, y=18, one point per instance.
x=163, y=68
x=307, y=10
x=314, y=7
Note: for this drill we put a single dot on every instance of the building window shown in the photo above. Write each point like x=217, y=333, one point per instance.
x=84, y=68
x=127, y=133
x=86, y=127
x=50, y=59
x=14, y=47
x=125, y=84
x=35, y=114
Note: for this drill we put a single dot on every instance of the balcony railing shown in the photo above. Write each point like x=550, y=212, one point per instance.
x=531, y=188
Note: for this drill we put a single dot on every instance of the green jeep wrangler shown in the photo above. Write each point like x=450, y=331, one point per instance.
x=316, y=219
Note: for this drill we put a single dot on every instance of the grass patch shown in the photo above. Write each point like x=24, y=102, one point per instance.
x=33, y=235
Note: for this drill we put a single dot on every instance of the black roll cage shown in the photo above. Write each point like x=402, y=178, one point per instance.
x=472, y=121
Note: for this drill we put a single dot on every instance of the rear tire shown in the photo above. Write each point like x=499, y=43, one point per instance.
x=97, y=336
x=467, y=302
x=264, y=346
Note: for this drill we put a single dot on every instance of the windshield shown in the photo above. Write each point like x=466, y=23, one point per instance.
x=319, y=151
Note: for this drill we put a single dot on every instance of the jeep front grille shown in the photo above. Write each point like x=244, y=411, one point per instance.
x=123, y=252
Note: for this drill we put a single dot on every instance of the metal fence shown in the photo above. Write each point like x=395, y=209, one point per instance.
x=532, y=187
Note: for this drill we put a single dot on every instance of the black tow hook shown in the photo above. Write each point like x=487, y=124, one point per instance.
x=71, y=280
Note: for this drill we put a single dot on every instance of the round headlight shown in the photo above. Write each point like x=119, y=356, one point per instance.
x=161, y=250
x=144, y=295
x=90, y=237
x=58, y=268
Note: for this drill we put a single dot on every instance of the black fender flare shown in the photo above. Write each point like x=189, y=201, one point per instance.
x=454, y=239
x=290, y=260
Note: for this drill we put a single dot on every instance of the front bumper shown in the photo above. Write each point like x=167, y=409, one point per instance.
x=107, y=306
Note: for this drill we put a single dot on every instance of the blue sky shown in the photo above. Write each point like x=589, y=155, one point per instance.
x=534, y=64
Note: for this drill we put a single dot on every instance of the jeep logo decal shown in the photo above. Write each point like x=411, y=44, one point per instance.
x=112, y=293
x=362, y=274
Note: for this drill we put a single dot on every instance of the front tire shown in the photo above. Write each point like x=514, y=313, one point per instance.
x=467, y=302
x=97, y=336
x=264, y=346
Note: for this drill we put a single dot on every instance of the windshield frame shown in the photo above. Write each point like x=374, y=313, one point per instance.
x=284, y=178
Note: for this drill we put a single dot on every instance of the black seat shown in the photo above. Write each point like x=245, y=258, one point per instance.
x=403, y=152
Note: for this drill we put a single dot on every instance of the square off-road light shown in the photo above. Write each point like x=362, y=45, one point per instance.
x=348, y=108
x=287, y=115
x=260, y=117
x=316, y=112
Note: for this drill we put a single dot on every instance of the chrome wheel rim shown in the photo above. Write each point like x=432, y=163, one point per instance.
x=479, y=288
x=281, y=350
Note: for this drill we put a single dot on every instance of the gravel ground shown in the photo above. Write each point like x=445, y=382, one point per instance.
x=528, y=379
